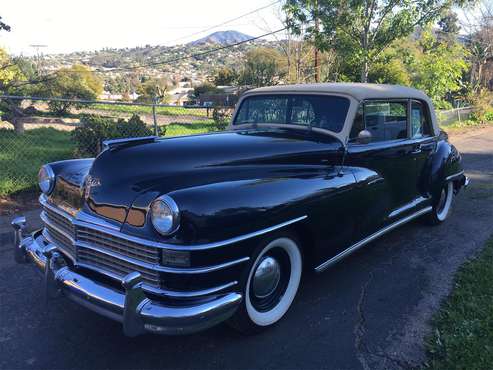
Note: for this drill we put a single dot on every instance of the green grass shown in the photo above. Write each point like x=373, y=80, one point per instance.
x=180, y=129
x=166, y=111
x=22, y=155
x=463, y=329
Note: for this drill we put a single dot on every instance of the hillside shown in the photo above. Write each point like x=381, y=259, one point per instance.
x=113, y=63
x=222, y=38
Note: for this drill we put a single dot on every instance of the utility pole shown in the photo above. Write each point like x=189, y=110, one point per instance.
x=154, y=102
x=316, y=56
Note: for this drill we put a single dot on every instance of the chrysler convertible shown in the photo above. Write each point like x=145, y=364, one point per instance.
x=175, y=235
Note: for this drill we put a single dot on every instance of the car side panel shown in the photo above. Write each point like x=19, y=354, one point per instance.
x=229, y=209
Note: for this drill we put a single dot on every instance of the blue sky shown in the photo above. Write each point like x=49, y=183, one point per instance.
x=69, y=25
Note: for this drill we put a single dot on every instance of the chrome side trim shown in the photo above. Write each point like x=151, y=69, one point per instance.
x=412, y=204
x=79, y=221
x=370, y=238
x=454, y=176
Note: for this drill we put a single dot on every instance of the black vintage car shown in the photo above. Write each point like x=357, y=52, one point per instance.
x=176, y=235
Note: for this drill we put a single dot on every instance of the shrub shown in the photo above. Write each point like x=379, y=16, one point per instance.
x=95, y=129
x=482, y=103
x=221, y=117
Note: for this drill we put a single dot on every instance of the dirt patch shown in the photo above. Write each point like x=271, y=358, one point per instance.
x=19, y=202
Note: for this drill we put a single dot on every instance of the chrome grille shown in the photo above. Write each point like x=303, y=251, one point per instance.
x=97, y=259
x=60, y=221
x=61, y=241
x=116, y=266
x=118, y=245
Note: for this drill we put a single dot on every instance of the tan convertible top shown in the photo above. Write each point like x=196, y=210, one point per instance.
x=358, y=91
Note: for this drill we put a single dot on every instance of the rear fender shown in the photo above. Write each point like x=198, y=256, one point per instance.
x=445, y=163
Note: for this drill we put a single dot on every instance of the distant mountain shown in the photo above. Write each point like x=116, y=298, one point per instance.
x=221, y=38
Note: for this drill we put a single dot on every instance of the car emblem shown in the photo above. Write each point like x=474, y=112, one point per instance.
x=90, y=183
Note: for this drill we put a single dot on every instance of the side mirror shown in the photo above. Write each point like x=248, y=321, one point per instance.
x=364, y=137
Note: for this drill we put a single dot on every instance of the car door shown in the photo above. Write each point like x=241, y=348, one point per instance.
x=424, y=142
x=385, y=167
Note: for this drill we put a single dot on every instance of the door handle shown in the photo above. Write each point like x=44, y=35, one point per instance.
x=416, y=149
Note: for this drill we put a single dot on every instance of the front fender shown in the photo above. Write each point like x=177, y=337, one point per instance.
x=228, y=209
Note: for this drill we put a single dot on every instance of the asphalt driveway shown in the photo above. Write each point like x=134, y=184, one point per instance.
x=370, y=311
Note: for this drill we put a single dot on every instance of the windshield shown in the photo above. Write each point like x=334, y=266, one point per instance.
x=322, y=111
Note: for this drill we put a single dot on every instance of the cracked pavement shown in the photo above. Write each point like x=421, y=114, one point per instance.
x=371, y=311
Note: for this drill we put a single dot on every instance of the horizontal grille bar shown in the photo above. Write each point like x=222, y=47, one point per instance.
x=118, y=245
x=61, y=222
x=62, y=242
x=116, y=266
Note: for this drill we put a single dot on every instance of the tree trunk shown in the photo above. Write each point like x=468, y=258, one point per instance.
x=364, y=72
x=18, y=124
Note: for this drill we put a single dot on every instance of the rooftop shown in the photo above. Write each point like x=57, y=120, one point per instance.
x=359, y=91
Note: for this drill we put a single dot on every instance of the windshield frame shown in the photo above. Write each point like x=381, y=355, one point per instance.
x=341, y=136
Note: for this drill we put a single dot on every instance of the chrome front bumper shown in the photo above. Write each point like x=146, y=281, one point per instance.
x=129, y=305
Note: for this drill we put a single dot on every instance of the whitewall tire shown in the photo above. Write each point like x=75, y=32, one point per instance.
x=271, y=285
x=442, y=208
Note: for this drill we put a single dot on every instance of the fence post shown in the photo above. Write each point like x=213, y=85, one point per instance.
x=154, y=102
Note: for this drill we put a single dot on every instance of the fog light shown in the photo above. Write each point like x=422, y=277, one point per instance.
x=176, y=258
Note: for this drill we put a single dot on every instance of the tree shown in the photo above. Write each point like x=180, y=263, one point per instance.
x=153, y=90
x=225, y=76
x=437, y=67
x=362, y=29
x=76, y=82
x=205, y=88
x=263, y=67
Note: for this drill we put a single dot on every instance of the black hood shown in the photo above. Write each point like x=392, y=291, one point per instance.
x=122, y=174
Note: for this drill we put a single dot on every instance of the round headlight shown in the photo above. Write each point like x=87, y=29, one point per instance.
x=46, y=179
x=165, y=215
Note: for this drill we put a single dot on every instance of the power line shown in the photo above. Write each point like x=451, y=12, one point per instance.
x=199, y=54
x=226, y=22
x=173, y=60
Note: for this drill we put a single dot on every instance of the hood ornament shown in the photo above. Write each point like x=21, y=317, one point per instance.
x=89, y=183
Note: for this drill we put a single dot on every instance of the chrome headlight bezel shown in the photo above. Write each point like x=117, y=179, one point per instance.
x=170, y=223
x=46, y=179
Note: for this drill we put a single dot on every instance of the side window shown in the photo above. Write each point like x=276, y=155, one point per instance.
x=386, y=120
x=358, y=124
x=302, y=112
x=420, y=125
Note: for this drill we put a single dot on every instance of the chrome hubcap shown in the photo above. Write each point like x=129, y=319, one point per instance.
x=266, y=277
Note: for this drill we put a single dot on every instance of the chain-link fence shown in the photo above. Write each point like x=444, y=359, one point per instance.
x=447, y=117
x=34, y=131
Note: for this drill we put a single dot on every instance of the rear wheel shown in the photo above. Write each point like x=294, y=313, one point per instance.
x=443, y=205
x=271, y=285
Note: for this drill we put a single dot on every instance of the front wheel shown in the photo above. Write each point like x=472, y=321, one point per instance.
x=272, y=284
x=442, y=207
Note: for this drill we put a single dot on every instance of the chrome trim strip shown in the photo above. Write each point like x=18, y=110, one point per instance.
x=160, y=291
x=84, y=217
x=193, y=293
x=150, y=243
x=370, y=238
x=412, y=204
x=451, y=177
x=155, y=267
x=68, y=254
x=45, y=219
